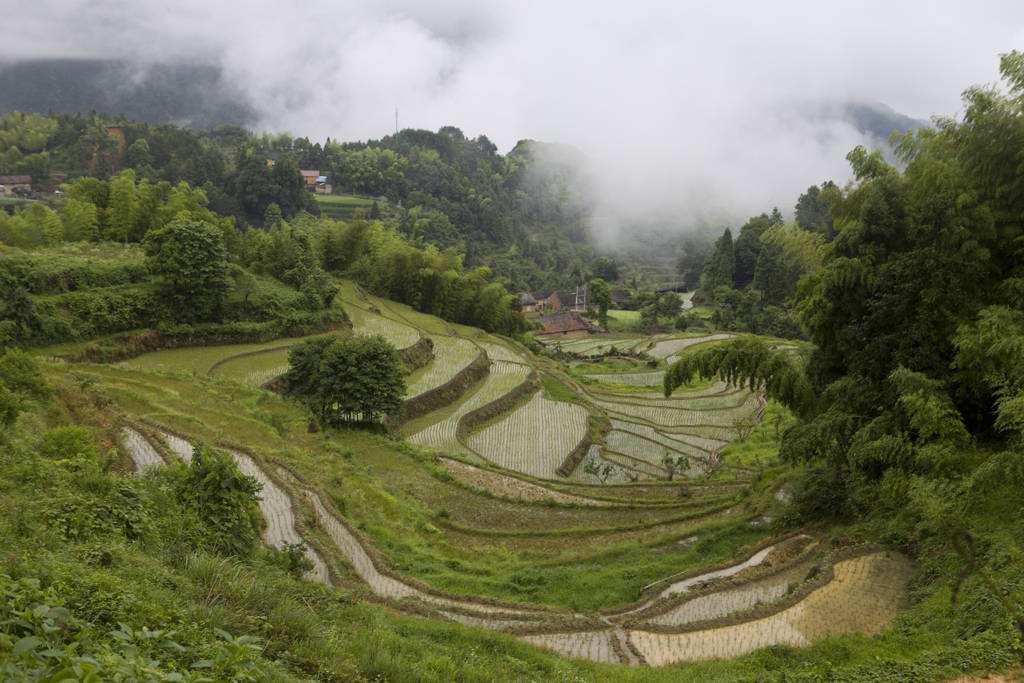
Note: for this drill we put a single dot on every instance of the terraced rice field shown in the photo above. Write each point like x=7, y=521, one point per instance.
x=451, y=354
x=683, y=443
x=593, y=645
x=276, y=508
x=707, y=402
x=199, y=359
x=181, y=447
x=866, y=594
x=534, y=439
x=669, y=416
x=620, y=475
x=502, y=352
x=740, y=598
x=511, y=487
x=671, y=347
x=141, y=451
x=596, y=346
x=634, y=464
x=637, y=379
x=254, y=370
x=369, y=323
x=390, y=586
x=652, y=452
x=685, y=585
x=504, y=376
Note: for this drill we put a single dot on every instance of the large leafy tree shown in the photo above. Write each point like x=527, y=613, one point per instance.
x=189, y=262
x=345, y=379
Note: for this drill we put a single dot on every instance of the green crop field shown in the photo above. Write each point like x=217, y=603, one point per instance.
x=534, y=439
x=368, y=323
x=341, y=207
x=200, y=359
x=451, y=355
x=254, y=370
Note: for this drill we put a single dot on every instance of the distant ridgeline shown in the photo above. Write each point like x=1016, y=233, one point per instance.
x=186, y=95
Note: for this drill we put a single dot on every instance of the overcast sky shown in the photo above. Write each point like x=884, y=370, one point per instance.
x=701, y=108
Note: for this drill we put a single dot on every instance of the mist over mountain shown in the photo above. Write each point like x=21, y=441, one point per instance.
x=876, y=120
x=188, y=95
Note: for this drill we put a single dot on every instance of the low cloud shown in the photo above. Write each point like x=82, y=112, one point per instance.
x=696, y=113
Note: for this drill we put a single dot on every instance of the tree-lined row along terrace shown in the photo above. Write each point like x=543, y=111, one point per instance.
x=557, y=503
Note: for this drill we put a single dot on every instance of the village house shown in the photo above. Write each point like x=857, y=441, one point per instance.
x=569, y=325
x=569, y=300
x=309, y=178
x=529, y=302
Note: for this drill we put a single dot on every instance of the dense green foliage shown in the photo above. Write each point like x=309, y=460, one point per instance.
x=225, y=499
x=751, y=283
x=189, y=265
x=601, y=296
x=200, y=269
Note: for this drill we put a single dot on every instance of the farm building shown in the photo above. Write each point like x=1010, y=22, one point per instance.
x=619, y=297
x=568, y=325
x=529, y=302
x=569, y=300
x=309, y=177
x=15, y=184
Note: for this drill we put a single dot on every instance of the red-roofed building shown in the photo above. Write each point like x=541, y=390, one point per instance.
x=568, y=325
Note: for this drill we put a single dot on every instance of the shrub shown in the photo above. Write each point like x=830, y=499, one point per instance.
x=225, y=499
